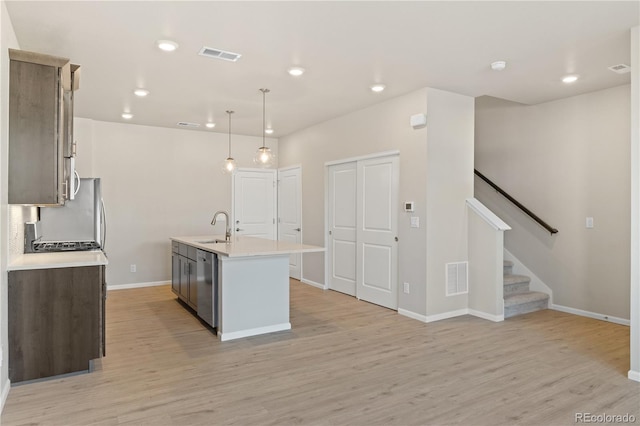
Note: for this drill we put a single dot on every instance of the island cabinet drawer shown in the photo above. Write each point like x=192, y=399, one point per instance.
x=183, y=249
x=192, y=253
x=175, y=247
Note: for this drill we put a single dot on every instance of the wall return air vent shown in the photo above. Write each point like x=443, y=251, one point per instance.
x=457, y=278
x=219, y=54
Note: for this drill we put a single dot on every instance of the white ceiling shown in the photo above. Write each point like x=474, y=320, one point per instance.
x=344, y=46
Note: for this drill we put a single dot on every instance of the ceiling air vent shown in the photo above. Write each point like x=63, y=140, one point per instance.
x=219, y=54
x=187, y=124
x=620, y=68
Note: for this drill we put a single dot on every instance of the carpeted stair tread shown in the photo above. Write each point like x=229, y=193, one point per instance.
x=522, y=298
x=514, y=279
x=507, y=263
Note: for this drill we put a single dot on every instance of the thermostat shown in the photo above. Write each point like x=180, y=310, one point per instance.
x=408, y=206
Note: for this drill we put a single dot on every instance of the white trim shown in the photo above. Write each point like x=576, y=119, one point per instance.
x=447, y=315
x=484, y=315
x=362, y=157
x=254, y=331
x=634, y=375
x=490, y=217
x=634, y=341
x=314, y=284
x=412, y=315
x=6, y=387
x=284, y=169
x=136, y=285
x=588, y=314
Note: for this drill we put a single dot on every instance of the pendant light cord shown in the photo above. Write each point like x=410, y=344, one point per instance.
x=264, y=120
x=229, y=112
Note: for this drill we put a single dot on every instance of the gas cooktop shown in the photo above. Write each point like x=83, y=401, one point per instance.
x=46, y=247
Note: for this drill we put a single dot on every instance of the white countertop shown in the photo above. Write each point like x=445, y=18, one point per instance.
x=70, y=259
x=242, y=246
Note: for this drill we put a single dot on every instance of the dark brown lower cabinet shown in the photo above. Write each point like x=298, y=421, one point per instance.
x=56, y=321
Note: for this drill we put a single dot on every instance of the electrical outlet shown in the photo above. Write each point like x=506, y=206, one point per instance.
x=133, y=268
x=589, y=223
x=406, y=288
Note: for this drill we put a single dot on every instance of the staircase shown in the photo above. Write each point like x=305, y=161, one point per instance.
x=518, y=299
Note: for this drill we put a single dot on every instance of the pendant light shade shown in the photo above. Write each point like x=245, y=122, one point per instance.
x=264, y=157
x=229, y=165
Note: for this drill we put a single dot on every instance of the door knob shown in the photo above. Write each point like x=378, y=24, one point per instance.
x=298, y=229
x=238, y=229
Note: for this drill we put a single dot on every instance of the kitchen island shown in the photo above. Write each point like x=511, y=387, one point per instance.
x=252, y=292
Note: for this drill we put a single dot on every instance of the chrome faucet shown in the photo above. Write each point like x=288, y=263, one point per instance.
x=227, y=234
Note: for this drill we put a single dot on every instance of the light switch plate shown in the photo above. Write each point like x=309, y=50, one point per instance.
x=415, y=221
x=589, y=222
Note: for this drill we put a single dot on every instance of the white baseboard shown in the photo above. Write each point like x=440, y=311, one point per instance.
x=136, y=285
x=634, y=375
x=313, y=283
x=253, y=331
x=484, y=315
x=6, y=386
x=413, y=315
x=446, y=315
x=588, y=314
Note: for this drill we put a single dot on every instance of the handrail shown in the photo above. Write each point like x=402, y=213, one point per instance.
x=533, y=216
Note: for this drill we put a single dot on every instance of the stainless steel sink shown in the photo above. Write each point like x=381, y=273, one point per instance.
x=216, y=241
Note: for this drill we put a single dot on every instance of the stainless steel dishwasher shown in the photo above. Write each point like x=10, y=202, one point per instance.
x=207, y=276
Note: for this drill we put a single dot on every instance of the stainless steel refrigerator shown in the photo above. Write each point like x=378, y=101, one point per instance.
x=78, y=225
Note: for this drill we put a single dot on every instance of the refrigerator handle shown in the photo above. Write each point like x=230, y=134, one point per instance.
x=77, y=176
x=103, y=223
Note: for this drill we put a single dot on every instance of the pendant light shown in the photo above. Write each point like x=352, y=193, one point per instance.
x=264, y=157
x=229, y=165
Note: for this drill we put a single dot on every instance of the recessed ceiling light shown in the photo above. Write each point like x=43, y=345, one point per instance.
x=377, y=87
x=268, y=131
x=296, y=71
x=498, y=65
x=167, y=45
x=210, y=125
x=141, y=92
x=127, y=115
x=570, y=79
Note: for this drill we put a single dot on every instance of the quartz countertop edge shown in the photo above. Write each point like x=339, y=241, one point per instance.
x=243, y=246
x=70, y=259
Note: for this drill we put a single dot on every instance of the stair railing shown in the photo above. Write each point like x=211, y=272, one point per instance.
x=533, y=216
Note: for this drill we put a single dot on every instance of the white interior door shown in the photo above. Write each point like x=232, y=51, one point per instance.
x=254, y=203
x=342, y=227
x=290, y=214
x=377, y=231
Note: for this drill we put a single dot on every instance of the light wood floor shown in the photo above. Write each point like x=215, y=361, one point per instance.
x=344, y=363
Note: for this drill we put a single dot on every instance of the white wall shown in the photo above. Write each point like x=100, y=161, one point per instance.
x=634, y=370
x=157, y=183
x=449, y=183
x=565, y=160
x=385, y=127
x=381, y=127
x=7, y=40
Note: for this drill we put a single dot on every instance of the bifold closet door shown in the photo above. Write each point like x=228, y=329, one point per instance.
x=342, y=227
x=377, y=231
x=363, y=229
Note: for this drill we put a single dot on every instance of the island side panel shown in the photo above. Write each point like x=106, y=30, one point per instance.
x=253, y=295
